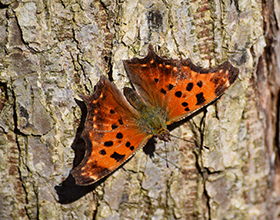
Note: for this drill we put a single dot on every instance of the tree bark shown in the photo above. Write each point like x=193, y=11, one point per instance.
x=50, y=51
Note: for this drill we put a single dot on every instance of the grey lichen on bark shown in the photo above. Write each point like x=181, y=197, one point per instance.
x=52, y=51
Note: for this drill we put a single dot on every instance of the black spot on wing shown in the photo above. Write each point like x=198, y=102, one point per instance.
x=200, y=98
x=178, y=94
x=128, y=144
x=117, y=157
x=163, y=91
x=108, y=143
x=119, y=135
x=199, y=84
x=102, y=152
x=114, y=126
x=189, y=86
x=170, y=86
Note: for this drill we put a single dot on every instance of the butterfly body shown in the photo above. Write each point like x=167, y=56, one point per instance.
x=150, y=119
x=166, y=91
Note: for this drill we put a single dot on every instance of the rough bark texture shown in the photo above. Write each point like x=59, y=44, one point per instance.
x=50, y=51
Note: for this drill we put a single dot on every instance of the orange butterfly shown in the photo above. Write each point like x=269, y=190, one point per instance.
x=166, y=91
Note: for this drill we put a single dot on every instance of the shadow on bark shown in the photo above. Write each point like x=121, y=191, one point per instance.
x=68, y=191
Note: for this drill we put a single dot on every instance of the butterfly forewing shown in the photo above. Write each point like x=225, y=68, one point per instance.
x=111, y=133
x=197, y=87
x=178, y=87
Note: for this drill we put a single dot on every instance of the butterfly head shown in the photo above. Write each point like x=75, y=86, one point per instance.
x=150, y=119
x=164, y=135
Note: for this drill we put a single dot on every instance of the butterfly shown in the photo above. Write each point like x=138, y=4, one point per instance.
x=164, y=91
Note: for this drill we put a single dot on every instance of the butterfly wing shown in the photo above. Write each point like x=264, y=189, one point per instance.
x=151, y=75
x=111, y=133
x=178, y=86
x=197, y=87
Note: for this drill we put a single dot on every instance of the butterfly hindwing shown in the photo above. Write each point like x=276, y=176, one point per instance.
x=152, y=77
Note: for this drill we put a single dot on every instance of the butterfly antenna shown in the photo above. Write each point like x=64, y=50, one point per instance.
x=183, y=139
x=206, y=147
x=166, y=155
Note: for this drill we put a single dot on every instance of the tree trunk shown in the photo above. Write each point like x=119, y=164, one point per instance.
x=50, y=51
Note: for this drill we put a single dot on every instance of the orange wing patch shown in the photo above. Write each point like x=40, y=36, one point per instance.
x=111, y=133
x=196, y=88
x=102, y=158
x=178, y=87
